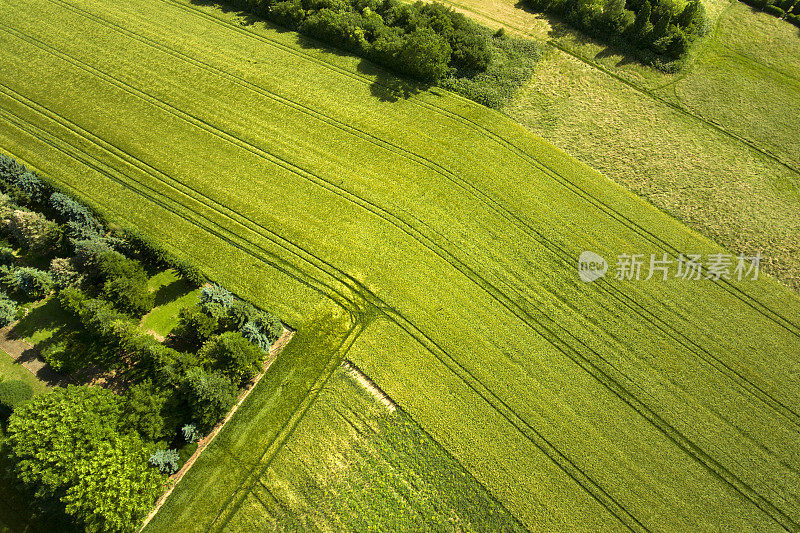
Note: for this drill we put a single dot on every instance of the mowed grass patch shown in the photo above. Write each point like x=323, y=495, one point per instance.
x=456, y=231
x=172, y=293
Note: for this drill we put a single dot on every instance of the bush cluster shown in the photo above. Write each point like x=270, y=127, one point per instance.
x=785, y=9
x=421, y=40
x=656, y=29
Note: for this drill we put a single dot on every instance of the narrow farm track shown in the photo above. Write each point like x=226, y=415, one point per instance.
x=659, y=409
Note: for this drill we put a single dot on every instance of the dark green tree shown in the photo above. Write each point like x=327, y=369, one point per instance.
x=210, y=395
x=234, y=356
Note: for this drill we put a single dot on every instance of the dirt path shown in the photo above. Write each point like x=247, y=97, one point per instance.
x=28, y=356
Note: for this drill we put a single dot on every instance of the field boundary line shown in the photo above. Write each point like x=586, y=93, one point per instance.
x=254, y=476
x=206, y=441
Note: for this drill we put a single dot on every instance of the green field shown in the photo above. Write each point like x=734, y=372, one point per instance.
x=351, y=465
x=434, y=243
x=715, y=145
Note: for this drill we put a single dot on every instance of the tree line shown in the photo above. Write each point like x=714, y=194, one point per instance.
x=422, y=40
x=97, y=457
x=658, y=31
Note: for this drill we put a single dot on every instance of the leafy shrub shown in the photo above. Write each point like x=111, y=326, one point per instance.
x=13, y=392
x=32, y=282
x=234, y=356
x=81, y=223
x=6, y=256
x=150, y=410
x=210, y=395
x=263, y=330
x=794, y=19
x=88, y=251
x=34, y=232
x=165, y=460
x=774, y=10
x=194, y=328
x=8, y=310
x=214, y=294
x=66, y=446
x=190, y=433
x=239, y=314
x=63, y=272
x=129, y=295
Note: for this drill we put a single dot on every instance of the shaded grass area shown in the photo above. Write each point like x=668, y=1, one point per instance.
x=353, y=466
x=172, y=293
x=10, y=369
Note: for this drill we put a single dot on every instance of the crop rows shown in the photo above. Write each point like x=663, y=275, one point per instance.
x=507, y=289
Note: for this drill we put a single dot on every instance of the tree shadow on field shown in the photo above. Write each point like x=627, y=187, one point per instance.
x=385, y=86
x=567, y=35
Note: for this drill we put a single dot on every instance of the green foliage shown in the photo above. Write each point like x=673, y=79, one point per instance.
x=129, y=295
x=194, y=328
x=32, y=282
x=210, y=395
x=115, y=489
x=65, y=445
x=81, y=223
x=190, y=433
x=165, y=460
x=239, y=314
x=214, y=294
x=34, y=232
x=151, y=411
x=646, y=26
x=7, y=256
x=13, y=393
x=123, y=280
x=263, y=330
x=421, y=40
x=234, y=356
x=8, y=310
x=63, y=272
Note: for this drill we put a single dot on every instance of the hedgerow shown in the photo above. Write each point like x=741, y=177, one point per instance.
x=657, y=31
x=785, y=9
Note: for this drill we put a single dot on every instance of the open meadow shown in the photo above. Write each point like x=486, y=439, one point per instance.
x=715, y=144
x=432, y=242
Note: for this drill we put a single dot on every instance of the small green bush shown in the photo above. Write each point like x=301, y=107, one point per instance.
x=8, y=310
x=63, y=272
x=194, y=328
x=774, y=10
x=214, y=294
x=234, y=356
x=32, y=282
x=7, y=256
x=165, y=460
x=210, y=395
x=190, y=433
